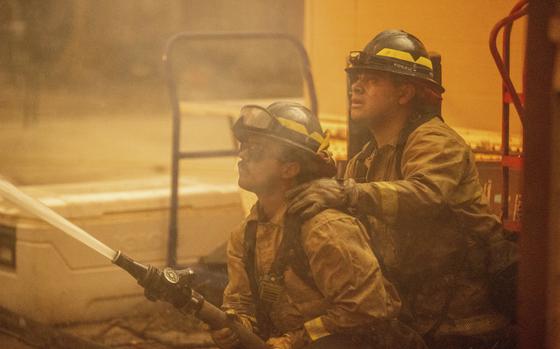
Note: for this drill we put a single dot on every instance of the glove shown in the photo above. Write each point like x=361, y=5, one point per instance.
x=157, y=286
x=226, y=338
x=290, y=340
x=308, y=199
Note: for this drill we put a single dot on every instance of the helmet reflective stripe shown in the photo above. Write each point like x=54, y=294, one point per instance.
x=288, y=122
x=299, y=128
x=405, y=56
x=394, y=51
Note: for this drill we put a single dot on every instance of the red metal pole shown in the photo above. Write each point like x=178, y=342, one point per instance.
x=509, y=94
x=505, y=123
x=498, y=59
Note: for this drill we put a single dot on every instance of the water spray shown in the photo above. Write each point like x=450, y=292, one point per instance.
x=17, y=197
x=169, y=285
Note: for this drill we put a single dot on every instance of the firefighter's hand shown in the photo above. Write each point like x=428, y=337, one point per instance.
x=226, y=338
x=154, y=284
x=290, y=340
x=308, y=199
x=168, y=285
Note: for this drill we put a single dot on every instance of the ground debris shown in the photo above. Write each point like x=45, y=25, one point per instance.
x=161, y=329
x=32, y=334
x=164, y=328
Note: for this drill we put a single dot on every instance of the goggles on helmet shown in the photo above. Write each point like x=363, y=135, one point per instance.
x=258, y=120
x=360, y=58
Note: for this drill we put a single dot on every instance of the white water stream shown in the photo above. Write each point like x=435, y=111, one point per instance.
x=26, y=202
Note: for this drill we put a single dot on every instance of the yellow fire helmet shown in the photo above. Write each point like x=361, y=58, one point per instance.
x=398, y=52
x=287, y=122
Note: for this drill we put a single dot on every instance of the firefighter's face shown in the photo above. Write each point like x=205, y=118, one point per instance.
x=375, y=97
x=261, y=168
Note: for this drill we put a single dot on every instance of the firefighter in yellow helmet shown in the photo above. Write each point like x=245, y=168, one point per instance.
x=313, y=283
x=417, y=184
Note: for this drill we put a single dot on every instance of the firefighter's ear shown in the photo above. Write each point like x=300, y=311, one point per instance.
x=407, y=92
x=290, y=169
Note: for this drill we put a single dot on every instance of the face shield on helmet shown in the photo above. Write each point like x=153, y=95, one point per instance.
x=257, y=120
x=294, y=126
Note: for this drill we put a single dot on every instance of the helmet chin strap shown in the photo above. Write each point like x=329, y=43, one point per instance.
x=326, y=142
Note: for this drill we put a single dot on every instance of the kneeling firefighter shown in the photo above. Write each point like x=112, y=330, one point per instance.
x=416, y=182
x=312, y=283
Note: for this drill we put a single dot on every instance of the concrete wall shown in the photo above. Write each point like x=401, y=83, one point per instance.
x=457, y=30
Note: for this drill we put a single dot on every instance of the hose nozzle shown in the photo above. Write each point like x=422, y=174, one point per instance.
x=137, y=270
x=169, y=285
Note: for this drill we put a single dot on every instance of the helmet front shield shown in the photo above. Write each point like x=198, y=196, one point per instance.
x=254, y=119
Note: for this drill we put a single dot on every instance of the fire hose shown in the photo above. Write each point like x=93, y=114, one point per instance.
x=168, y=285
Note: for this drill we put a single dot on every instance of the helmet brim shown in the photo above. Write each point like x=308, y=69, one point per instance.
x=242, y=134
x=434, y=85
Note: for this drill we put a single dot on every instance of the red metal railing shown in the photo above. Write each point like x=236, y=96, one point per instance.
x=509, y=96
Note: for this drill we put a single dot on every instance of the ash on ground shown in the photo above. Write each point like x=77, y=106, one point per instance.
x=163, y=328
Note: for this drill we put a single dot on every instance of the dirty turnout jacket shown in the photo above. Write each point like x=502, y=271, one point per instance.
x=432, y=229
x=349, y=292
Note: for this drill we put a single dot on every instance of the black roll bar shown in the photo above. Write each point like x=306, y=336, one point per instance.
x=177, y=154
